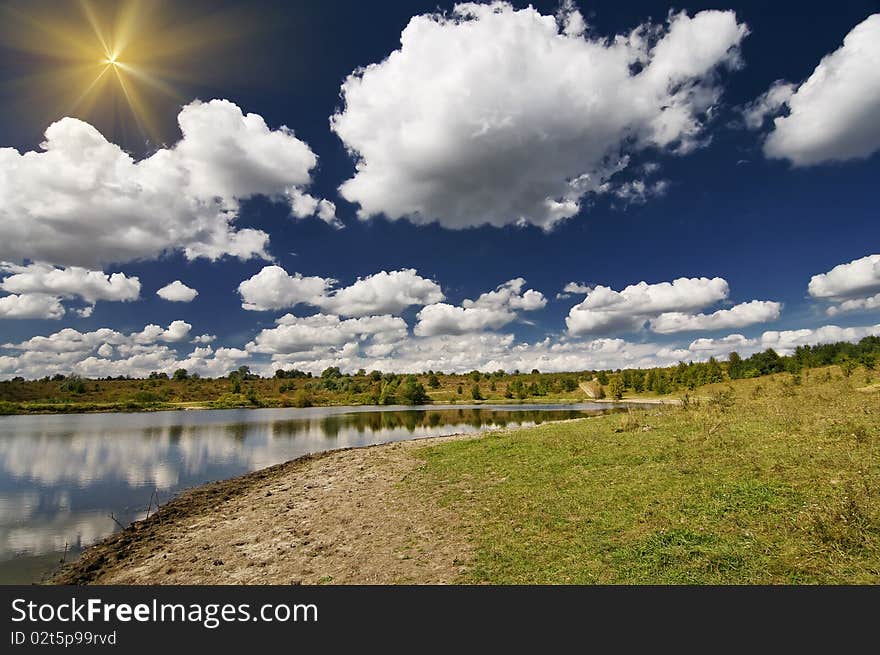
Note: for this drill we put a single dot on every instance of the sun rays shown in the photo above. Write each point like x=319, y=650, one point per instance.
x=114, y=64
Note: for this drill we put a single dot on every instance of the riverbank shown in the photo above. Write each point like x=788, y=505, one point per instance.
x=342, y=517
x=764, y=481
x=25, y=409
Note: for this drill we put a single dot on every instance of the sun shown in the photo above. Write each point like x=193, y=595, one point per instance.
x=123, y=65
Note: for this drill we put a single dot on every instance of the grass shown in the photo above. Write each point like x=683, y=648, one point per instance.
x=770, y=480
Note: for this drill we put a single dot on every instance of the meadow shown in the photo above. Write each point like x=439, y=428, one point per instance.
x=766, y=480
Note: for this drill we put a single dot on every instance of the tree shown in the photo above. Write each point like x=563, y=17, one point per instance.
x=475, y=392
x=411, y=392
x=236, y=385
x=331, y=372
x=459, y=390
x=180, y=374
x=615, y=387
x=433, y=381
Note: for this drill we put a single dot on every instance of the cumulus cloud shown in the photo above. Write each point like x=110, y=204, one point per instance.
x=31, y=305
x=177, y=291
x=832, y=116
x=606, y=310
x=382, y=293
x=295, y=334
x=490, y=311
x=747, y=313
x=82, y=200
x=442, y=318
x=69, y=282
x=38, y=288
x=493, y=115
x=858, y=277
x=274, y=288
x=785, y=342
x=854, y=286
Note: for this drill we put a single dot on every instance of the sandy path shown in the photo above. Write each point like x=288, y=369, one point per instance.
x=340, y=517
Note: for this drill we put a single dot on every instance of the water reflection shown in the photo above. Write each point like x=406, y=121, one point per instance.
x=63, y=476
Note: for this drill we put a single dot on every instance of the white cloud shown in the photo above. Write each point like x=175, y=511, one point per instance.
x=274, y=288
x=69, y=282
x=833, y=115
x=606, y=310
x=177, y=291
x=858, y=277
x=303, y=205
x=382, y=293
x=767, y=104
x=490, y=311
x=500, y=116
x=205, y=338
x=30, y=305
x=786, y=341
x=854, y=286
x=176, y=331
x=576, y=287
x=747, y=313
x=442, y=318
x=855, y=305
x=572, y=288
x=295, y=334
x=83, y=200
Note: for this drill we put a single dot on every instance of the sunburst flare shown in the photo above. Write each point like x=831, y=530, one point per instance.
x=113, y=63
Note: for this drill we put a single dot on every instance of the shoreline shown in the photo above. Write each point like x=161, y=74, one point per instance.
x=216, y=533
x=184, y=407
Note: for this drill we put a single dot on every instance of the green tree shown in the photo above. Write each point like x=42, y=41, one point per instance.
x=411, y=392
x=180, y=374
x=433, y=381
x=615, y=387
x=475, y=392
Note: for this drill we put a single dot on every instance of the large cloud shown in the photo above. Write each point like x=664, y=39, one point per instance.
x=490, y=311
x=606, y=310
x=382, y=293
x=665, y=307
x=833, y=115
x=38, y=288
x=274, y=288
x=854, y=286
x=31, y=305
x=496, y=115
x=85, y=201
x=294, y=334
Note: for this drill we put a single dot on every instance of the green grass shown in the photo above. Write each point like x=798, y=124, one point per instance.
x=768, y=481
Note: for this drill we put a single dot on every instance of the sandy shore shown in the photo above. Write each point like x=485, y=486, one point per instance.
x=337, y=517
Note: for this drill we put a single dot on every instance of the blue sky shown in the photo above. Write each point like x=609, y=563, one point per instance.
x=765, y=218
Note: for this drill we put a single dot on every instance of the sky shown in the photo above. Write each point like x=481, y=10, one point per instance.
x=411, y=186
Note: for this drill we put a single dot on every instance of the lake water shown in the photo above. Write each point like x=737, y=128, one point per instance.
x=69, y=480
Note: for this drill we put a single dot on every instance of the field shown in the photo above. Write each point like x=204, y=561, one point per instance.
x=769, y=480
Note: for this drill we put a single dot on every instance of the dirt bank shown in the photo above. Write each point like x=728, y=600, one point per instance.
x=339, y=517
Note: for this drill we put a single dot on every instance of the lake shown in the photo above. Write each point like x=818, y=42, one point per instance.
x=69, y=480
